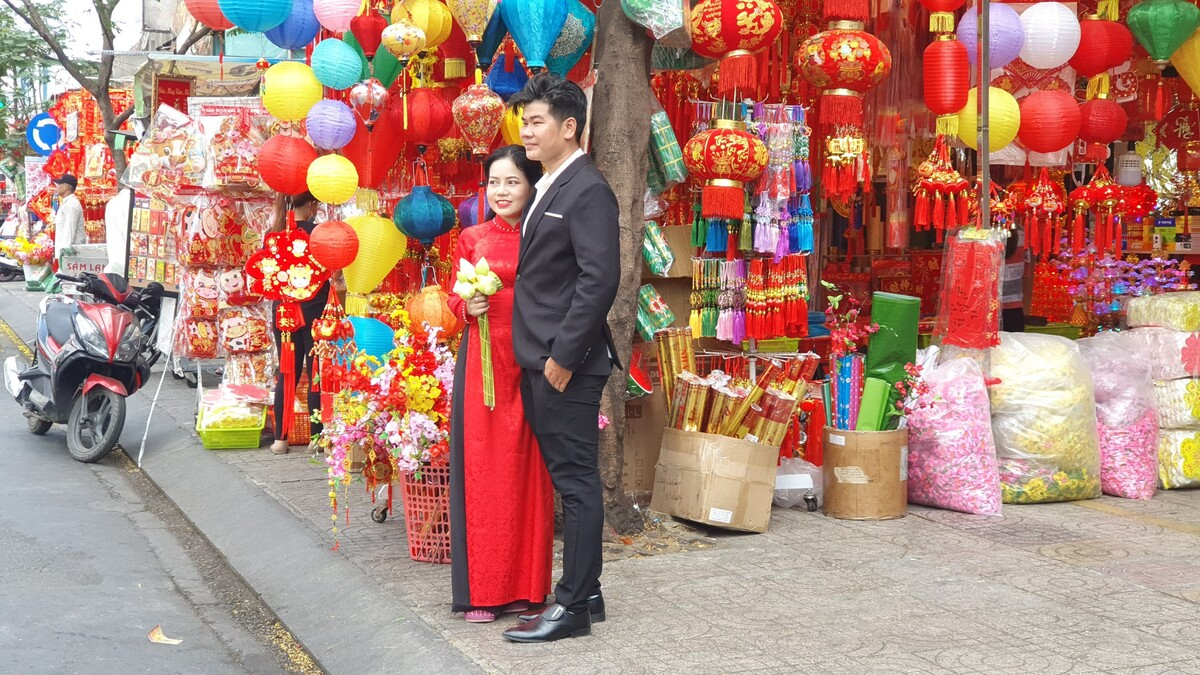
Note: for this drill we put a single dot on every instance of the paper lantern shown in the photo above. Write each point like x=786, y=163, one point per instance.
x=941, y=14
x=506, y=76
x=1162, y=26
x=534, y=25
x=429, y=117
x=947, y=75
x=1049, y=121
x=208, y=13
x=336, y=65
x=372, y=337
x=367, y=30
x=336, y=15
x=727, y=157
x=368, y=99
x=473, y=16
x=375, y=150
x=574, y=40
x=510, y=127
x=1186, y=60
x=733, y=31
x=493, y=36
x=256, y=16
x=290, y=90
x=478, y=112
x=1051, y=35
x=1006, y=33
x=431, y=306
x=843, y=64
x=424, y=215
x=468, y=212
x=431, y=16
x=380, y=247
x=1004, y=119
x=332, y=179
x=1102, y=121
x=298, y=29
x=334, y=244
x=1103, y=45
x=331, y=125
x=384, y=67
x=283, y=162
x=403, y=40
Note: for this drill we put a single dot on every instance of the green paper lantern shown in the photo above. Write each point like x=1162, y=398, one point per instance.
x=336, y=64
x=1162, y=26
x=384, y=67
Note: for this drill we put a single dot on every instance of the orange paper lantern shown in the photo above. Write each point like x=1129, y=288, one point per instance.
x=432, y=306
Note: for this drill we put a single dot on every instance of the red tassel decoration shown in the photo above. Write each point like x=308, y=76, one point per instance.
x=1077, y=242
x=287, y=370
x=722, y=201
x=939, y=215
x=921, y=212
x=738, y=74
x=951, y=213
x=839, y=110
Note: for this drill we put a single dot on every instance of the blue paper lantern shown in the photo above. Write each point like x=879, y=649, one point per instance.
x=468, y=212
x=373, y=337
x=256, y=16
x=424, y=215
x=336, y=64
x=493, y=35
x=506, y=77
x=331, y=124
x=298, y=29
x=574, y=40
x=534, y=25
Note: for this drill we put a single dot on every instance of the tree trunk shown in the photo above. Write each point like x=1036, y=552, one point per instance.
x=621, y=109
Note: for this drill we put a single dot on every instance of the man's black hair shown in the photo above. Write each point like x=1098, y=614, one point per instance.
x=303, y=199
x=564, y=98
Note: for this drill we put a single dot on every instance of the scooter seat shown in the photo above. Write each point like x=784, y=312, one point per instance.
x=58, y=322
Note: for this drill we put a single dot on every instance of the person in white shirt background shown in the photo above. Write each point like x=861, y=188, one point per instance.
x=68, y=219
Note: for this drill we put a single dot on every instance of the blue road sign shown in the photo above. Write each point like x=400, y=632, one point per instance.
x=43, y=134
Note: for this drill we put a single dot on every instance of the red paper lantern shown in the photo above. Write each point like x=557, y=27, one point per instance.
x=283, y=162
x=947, y=76
x=941, y=15
x=1049, y=121
x=733, y=31
x=728, y=157
x=208, y=13
x=368, y=31
x=334, y=244
x=432, y=306
x=429, y=117
x=844, y=64
x=1102, y=121
x=1103, y=45
x=374, y=150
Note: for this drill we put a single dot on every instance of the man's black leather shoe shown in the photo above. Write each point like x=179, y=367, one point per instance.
x=595, y=608
x=553, y=624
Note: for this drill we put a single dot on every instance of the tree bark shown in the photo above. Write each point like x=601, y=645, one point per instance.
x=621, y=109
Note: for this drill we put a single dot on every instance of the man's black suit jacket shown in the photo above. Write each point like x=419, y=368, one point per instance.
x=567, y=275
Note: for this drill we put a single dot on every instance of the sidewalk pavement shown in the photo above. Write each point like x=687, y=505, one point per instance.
x=1107, y=585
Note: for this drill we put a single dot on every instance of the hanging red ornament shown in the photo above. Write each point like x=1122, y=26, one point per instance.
x=727, y=157
x=429, y=117
x=368, y=31
x=1102, y=121
x=734, y=31
x=947, y=81
x=1049, y=121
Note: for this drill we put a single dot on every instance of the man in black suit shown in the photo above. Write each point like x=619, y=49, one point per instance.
x=567, y=277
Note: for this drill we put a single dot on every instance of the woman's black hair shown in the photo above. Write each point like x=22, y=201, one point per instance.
x=303, y=199
x=516, y=153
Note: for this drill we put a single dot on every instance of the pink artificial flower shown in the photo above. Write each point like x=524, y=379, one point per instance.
x=604, y=421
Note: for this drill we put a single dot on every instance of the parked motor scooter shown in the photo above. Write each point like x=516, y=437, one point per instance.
x=90, y=356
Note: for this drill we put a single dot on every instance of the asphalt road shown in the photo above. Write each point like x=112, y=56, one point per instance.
x=93, y=557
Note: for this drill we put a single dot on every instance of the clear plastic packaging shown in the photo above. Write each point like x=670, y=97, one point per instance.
x=951, y=454
x=1179, y=459
x=222, y=408
x=171, y=159
x=1172, y=354
x=1127, y=421
x=656, y=251
x=1176, y=311
x=788, y=497
x=666, y=20
x=1043, y=420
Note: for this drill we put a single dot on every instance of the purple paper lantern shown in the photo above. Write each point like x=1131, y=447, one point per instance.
x=331, y=124
x=468, y=212
x=1007, y=34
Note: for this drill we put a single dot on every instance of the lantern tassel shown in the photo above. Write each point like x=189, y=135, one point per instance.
x=839, y=110
x=367, y=200
x=947, y=125
x=722, y=201
x=738, y=73
x=941, y=22
x=921, y=213
x=1077, y=233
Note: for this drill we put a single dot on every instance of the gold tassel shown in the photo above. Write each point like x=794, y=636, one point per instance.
x=357, y=305
x=947, y=125
x=455, y=68
x=1098, y=86
x=367, y=200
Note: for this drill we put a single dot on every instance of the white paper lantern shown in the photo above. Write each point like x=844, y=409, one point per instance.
x=336, y=15
x=1051, y=35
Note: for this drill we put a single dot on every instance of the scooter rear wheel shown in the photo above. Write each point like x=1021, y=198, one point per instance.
x=95, y=425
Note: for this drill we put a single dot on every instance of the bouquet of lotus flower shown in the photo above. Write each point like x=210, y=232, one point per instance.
x=479, y=279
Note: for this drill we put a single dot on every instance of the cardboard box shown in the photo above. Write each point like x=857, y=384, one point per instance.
x=715, y=480
x=865, y=474
x=644, y=420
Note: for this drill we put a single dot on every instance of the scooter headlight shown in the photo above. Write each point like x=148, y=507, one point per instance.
x=91, y=337
x=131, y=342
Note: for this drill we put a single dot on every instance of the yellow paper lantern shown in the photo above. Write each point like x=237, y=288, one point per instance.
x=380, y=247
x=1004, y=119
x=431, y=16
x=290, y=90
x=1186, y=60
x=510, y=128
x=333, y=179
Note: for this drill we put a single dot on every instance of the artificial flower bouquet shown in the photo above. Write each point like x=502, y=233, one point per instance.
x=36, y=251
x=479, y=279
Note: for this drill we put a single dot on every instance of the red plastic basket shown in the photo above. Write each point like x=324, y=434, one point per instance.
x=426, y=499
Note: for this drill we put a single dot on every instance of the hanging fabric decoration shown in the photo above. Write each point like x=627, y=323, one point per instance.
x=727, y=157
x=1044, y=206
x=941, y=192
x=734, y=31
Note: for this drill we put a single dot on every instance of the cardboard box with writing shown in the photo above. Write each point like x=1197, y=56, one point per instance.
x=644, y=420
x=865, y=474
x=715, y=480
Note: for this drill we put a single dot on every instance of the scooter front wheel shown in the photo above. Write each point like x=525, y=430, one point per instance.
x=37, y=425
x=95, y=424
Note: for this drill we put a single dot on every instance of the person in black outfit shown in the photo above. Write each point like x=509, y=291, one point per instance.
x=305, y=207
